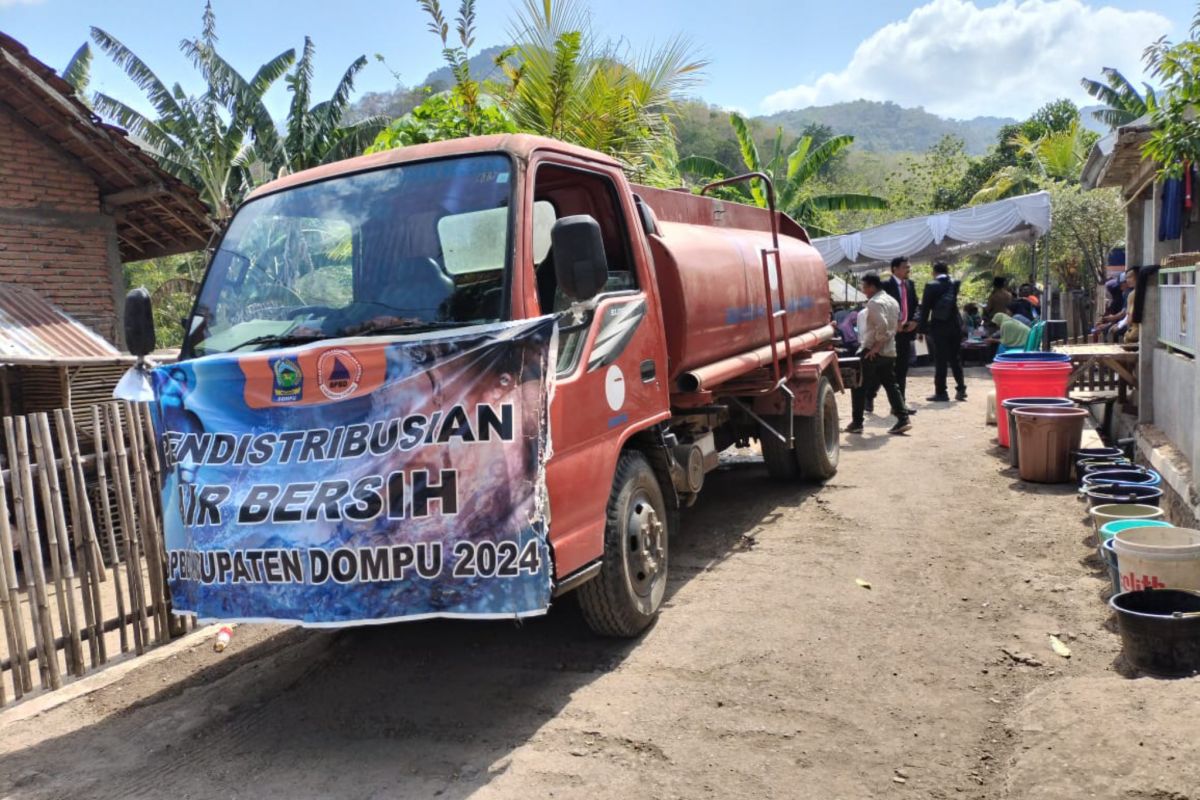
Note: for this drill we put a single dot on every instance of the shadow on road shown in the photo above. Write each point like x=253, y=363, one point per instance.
x=431, y=709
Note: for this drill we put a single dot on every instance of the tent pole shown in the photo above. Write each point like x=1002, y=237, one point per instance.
x=1049, y=305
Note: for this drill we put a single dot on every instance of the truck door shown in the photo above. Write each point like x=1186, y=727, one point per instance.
x=611, y=371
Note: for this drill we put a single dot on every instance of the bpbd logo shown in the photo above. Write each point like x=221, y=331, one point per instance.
x=288, y=382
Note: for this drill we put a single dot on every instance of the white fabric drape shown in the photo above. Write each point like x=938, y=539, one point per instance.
x=964, y=231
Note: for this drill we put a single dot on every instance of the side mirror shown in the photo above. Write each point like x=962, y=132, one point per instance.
x=579, y=261
x=139, y=323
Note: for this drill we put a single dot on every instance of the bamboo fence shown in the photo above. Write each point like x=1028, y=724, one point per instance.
x=82, y=557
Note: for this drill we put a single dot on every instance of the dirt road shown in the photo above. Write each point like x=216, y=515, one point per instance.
x=771, y=673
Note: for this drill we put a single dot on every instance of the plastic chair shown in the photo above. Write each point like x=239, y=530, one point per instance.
x=1034, y=342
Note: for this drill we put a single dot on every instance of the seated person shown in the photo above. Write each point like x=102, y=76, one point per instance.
x=1013, y=334
x=973, y=320
x=1114, y=311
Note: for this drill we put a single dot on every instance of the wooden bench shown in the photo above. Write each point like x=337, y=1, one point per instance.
x=1101, y=374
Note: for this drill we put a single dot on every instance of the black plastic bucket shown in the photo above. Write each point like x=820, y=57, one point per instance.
x=1101, y=494
x=1155, y=639
x=1125, y=476
x=1098, y=452
x=1084, y=466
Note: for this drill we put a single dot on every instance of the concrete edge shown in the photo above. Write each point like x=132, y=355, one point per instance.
x=1169, y=463
x=44, y=701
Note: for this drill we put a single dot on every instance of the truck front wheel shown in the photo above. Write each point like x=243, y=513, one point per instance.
x=814, y=455
x=624, y=599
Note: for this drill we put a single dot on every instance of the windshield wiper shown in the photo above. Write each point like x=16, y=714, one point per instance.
x=280, y=339
x=410, y=326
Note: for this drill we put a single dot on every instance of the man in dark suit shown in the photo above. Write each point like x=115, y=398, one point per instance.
x=904, y=293
x=940, y=321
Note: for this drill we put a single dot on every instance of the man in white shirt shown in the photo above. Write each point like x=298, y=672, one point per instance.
x=878, y=354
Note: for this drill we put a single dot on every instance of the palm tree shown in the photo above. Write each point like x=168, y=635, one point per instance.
x=1056, y=156
x=569, y=85
x=314, y=135
x=792, y=172
x=204, y=140
x=1123, y=102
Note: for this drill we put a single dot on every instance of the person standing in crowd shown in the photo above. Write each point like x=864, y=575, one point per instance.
x=878, y=322
x=939, y=319
x=901, y=289
x=999, y=299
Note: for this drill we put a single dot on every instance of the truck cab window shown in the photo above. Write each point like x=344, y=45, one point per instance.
x=569, y=191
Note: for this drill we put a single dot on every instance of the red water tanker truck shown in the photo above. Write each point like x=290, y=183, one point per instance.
x=688, y=325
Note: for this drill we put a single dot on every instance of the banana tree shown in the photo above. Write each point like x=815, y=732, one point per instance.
x=792, y=172
x=78, y=71
x=313, y=134
x=204, y=140
x=1123, y=103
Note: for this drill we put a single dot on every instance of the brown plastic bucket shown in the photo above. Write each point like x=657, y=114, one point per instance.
x=1048, y=435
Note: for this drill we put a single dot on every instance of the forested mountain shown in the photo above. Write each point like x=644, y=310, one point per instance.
x=404, y=98
x=876, y=127
x=889, y=128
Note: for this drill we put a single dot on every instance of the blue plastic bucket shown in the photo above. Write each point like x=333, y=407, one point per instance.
x=1110, y=561
x=1111, y=529
x=1034, y=355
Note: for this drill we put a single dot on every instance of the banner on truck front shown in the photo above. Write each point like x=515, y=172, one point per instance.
x=360, y=481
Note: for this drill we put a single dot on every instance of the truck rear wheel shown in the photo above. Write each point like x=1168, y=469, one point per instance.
x=818, y=438
x=817, y=446
x=624, y=599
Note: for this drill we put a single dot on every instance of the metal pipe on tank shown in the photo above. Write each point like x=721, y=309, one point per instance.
x=712, y=375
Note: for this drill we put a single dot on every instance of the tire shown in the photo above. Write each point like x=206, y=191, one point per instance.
x=818, y=438
x=817, y=446
x=625, y=597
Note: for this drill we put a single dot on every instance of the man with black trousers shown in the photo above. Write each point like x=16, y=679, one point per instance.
x=904, y=293
x=880, y=317
x=940, y=321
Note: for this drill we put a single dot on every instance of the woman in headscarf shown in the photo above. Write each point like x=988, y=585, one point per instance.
x=1012, y=334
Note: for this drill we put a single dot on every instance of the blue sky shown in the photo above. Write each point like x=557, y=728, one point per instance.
x=958, y=58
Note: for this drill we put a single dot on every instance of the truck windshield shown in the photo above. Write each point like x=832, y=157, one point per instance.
x=402, y=249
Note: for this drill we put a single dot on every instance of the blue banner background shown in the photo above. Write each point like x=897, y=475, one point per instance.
x=501, y=495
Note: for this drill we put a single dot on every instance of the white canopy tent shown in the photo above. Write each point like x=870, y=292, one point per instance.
x=947, y=235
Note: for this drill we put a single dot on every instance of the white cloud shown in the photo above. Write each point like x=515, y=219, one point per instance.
x=959, y=60
x=7, y=3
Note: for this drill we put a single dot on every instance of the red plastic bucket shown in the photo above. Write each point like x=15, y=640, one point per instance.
x=1026, y=379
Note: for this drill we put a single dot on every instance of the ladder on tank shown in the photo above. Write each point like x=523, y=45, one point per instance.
x=775, y=377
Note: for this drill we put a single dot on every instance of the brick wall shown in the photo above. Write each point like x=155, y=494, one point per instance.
x=53, y=237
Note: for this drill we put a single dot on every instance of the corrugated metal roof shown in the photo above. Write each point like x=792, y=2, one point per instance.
x=31, y=327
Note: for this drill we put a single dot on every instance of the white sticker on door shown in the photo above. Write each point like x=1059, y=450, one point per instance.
x=614, y=388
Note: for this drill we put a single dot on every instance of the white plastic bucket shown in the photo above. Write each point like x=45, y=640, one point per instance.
x=1111, y=512
x=1158, y=558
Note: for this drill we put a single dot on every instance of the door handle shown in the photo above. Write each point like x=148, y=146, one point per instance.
x=649, y=371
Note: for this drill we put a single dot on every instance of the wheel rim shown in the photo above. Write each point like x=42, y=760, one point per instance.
x=830, y=432
x=645, y=547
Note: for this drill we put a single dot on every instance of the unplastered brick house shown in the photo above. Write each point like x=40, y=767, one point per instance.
x=78, y=198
